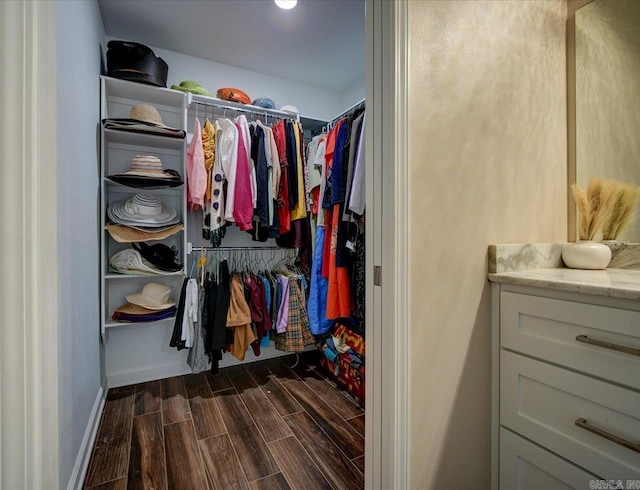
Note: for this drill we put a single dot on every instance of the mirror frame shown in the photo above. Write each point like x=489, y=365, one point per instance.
x=572, y=6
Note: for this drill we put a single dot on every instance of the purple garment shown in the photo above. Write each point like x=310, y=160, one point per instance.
x=283, y=310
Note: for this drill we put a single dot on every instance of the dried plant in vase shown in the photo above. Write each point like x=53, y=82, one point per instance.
x=594, y=206
x=623, y=209
x=594, y=209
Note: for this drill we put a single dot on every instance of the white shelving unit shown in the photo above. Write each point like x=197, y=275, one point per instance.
x=138, y=352
x=135, y=352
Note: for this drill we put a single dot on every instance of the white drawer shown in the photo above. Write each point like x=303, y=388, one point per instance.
x=525, y=466
x=543, y=402
x=548, y=329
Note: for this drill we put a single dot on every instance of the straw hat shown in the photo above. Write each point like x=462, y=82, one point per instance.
x=153, y=296
x=146, y=171
x=143, y=118
x=146, y=113
x=129, y=234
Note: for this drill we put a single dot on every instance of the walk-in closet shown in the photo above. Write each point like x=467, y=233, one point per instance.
x=232, y=245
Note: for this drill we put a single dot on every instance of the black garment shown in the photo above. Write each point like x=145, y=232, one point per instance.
x=292, y=169
x=299, y=236
x=357, y=274
x=176, y=336
x=259, y=157
x=217, y=300
x=340, y=165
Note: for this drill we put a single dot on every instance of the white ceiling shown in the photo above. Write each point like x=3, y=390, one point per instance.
x=319, y=42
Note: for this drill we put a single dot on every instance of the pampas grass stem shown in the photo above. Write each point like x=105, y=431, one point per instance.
x=580, y=197
x=623, y=210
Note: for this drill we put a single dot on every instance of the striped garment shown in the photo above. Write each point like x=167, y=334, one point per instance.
x=298, y=335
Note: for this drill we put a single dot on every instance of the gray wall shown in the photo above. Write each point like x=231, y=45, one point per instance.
x=80, y=34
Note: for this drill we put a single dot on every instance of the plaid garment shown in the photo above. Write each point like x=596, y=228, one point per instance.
x=298, y=334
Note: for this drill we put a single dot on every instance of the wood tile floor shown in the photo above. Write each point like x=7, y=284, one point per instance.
x=259, y=425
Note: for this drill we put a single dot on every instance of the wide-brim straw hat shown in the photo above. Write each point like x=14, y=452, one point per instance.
x=146, y=171
x=130, y=234
x=153, y=296
x=143, y=209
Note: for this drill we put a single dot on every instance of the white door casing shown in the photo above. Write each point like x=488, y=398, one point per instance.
x=28, y=219
x=28, y=334
x=387, y=421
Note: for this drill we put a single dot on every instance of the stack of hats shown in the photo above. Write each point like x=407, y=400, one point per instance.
x=146, y=172
x=144, y=118
x=156, y=259
x=143, y=211
x=151, y=304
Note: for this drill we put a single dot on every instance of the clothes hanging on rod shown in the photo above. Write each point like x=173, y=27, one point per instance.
x=335, y=171
x=316, y=200
x=255, y=174
x=346, y=113
x=244, y=301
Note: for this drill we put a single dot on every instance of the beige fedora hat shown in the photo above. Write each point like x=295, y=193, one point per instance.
x=153, y=296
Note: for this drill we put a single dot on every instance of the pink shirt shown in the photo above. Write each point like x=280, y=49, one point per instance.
x=196, y=171
x=243, y=204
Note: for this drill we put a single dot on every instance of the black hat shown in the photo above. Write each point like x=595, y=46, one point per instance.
x=160, y=255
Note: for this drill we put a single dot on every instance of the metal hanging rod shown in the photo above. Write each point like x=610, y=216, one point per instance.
x=354, y=107
x=233, y=249
x=238, y=107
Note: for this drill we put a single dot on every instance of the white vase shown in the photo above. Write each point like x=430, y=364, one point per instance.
x=586, y=254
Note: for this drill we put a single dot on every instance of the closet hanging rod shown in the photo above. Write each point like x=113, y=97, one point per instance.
x=236, y=106
x=354, y=107
x=233, y=249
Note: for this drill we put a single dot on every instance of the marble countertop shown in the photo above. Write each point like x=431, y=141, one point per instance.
x=616, y=283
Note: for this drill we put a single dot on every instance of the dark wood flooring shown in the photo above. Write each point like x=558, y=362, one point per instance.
x=261, y=425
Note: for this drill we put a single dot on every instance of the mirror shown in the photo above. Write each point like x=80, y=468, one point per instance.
x=607, y=96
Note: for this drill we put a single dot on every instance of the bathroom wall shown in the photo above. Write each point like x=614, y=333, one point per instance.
x=488, y=164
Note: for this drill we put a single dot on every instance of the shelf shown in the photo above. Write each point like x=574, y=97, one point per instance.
x=109, y=323
x=149, y=94
x=115, y=276
x=117, y=187
x=142, y=139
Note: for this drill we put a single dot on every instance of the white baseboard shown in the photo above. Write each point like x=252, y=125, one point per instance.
x=84, y=454
x=150, y=373
x=160, y=371
x=269, y=352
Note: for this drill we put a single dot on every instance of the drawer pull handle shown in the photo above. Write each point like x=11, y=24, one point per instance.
x=582, y=423
x=608, y=345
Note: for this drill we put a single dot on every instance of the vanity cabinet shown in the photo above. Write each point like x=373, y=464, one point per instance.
x=566, y=388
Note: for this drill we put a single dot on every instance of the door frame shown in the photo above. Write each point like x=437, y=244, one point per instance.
x=387, y=246
x=28, y=212
x=29, y=435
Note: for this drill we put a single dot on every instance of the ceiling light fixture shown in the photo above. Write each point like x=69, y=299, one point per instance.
x=286, y=4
